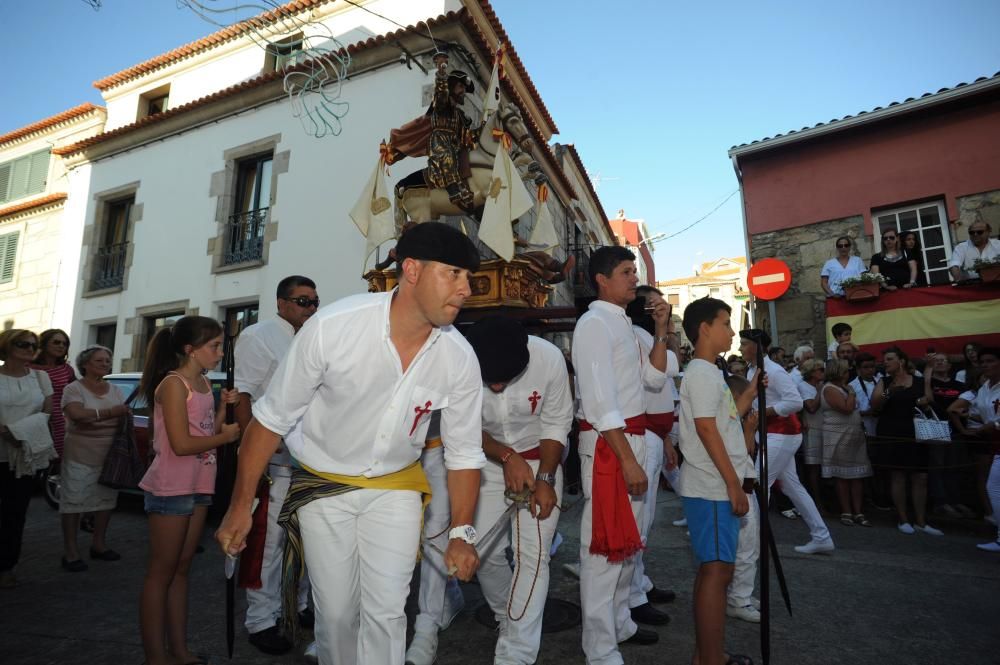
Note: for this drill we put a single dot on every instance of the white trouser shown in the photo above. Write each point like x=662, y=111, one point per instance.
x=747, y=551
x=604, y=586
x=993, y=490
x=781, y=466
x=652, y=465
x=519, y=640
x=437, y=518
x=360, y=547
x=264, y=604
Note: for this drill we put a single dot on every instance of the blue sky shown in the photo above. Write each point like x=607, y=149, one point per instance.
x=653, y=94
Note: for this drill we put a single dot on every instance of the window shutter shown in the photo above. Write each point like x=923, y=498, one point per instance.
x=5, y=171
x=38, y=172
x=8, y=252
x=19, y=177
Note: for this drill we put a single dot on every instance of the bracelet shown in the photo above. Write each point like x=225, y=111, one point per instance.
x=506, y=456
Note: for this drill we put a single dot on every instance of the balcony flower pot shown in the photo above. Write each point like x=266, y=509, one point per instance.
x=866, y=286
x=989, y=271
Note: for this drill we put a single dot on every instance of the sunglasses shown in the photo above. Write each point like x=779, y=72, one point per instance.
x=26, y=345
x=843, y=246
x=888, y=237
x=978, y=232
x=303, y=301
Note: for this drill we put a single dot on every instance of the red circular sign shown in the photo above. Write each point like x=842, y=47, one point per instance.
x=768, y=279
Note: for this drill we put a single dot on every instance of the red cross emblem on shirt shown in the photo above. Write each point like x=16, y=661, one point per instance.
x=420, y=412
x=535, y=398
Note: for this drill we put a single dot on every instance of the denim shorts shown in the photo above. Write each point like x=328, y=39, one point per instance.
x=714, y=529
x=181, y=505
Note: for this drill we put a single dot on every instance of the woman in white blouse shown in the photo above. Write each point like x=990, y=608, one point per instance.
x=839, y=268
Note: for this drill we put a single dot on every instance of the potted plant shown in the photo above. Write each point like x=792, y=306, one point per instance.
x=865, y=286
x=988, y=269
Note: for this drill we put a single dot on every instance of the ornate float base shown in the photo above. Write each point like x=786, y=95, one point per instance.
x=497, y=284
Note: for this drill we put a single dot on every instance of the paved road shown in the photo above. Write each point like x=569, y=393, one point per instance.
x=882, y=598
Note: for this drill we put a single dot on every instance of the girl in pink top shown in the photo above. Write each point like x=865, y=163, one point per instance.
x=181, y=480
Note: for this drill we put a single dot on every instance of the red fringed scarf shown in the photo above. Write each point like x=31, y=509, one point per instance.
x=252, y=558
x=614, y=533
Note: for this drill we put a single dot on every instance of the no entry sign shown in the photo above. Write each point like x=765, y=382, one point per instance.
x=768, y=279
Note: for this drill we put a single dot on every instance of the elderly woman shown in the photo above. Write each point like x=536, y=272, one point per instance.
x=53, y=352
x=893, y=263
x=25, y=402
x=895, y=397
x=812, y=421
x=839, y=268
x=845, y=456
x=93, y=409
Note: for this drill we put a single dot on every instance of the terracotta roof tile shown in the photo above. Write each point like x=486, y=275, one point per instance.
x=68, y=114
x=50, y=199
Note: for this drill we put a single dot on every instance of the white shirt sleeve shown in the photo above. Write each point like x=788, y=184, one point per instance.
x=705, y=394
x=789, y=401
x=253, y=362
x=958, y=255
x=557, y=409
x=652, y=378
x=462, y=418
x=294, y=383
x=595, y=373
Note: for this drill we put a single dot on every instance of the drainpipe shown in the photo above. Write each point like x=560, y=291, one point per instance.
x=746, y=235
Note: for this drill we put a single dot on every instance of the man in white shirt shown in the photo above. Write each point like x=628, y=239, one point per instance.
x=979, y=246
x=863, y=385
x=527, y=415
x=784, y=436
x=258, y=351
x=659, y=422
x=802, y=353
x=363, y=376
x=612, y=373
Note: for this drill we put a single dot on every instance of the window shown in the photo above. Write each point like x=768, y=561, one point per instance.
x=238, y=318
x=674, y=299
x=105, y=335
x=8, y=253
x=283, y=54
x=245, y=230
x=109, y=271
x=715, y=292
x=154, y=324
x=24, y=176
x=929, y=222
x=154, y=101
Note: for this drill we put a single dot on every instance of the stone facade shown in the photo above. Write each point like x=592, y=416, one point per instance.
x=985, y=206
x=801, y=313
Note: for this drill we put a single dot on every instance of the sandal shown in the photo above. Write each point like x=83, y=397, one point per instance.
x=738, y=659
x=846, y=519
x=861, y=520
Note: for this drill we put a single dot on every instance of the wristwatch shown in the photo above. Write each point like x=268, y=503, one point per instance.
x=662, y=340
x=466, y=532
x=549, y=478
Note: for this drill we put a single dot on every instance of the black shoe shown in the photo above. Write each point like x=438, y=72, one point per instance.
x=106, y=555
x=643, y=637
x=649, y=615
x=655, y=595
x=77, y=566
x=307, y=618
x=271, y=641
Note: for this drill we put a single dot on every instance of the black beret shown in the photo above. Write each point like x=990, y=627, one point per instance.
x=434, y=241
x=757, y=336
x=501, y=345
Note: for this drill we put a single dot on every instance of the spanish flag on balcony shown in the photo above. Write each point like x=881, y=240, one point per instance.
x=944, y=318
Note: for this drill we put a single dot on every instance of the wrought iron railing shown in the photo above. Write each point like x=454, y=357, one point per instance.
x=245, y=236
x=110, y=269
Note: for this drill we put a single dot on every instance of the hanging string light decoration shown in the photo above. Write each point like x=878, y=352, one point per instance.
x=316, y=61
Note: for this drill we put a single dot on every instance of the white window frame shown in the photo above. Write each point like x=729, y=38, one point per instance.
x=915, y=208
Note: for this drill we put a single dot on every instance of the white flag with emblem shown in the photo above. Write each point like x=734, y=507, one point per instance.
x=373, y=212
x=491, y=100
x=543, y=236
x=506, y=200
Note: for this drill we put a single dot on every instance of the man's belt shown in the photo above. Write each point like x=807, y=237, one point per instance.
x=784, y=425
x=660, y=424
x=614, y=533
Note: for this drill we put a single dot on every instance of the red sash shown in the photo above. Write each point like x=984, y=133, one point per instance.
x=614, y=533
x=534, y=453
x=252, y=558
x=660, y=424
x=784, y=425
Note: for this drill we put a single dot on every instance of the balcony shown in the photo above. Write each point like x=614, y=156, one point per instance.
x=110, y=266
x=581, y=281
x=245, y=237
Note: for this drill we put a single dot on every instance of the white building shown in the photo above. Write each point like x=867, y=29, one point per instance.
x=205, y=190
x=35, y=219
x=725, y=279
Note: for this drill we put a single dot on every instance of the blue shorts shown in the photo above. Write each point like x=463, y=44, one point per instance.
x=714, y=529
x=181, y=505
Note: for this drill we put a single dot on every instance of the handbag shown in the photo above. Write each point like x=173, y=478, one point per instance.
x=930, y=429
x=123, y=467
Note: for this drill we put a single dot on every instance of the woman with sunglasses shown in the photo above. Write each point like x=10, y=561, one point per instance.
x=53, y=350
x=839, y=268
x=893, y=263
x=25, y=402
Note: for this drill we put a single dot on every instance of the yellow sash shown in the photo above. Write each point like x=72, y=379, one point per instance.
x=409, y=478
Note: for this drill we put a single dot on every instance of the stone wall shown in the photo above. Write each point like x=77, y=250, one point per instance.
x=985, y=206
x=801, y=312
